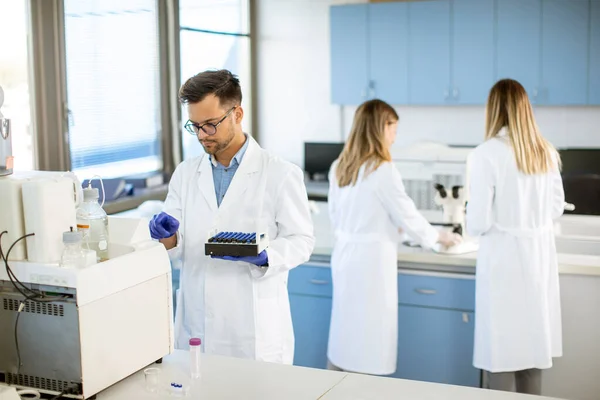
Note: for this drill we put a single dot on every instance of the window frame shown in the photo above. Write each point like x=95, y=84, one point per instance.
x=50, y=113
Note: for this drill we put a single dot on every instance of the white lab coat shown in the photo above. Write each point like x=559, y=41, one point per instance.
x=518, y=320
x=236, y=308
x=364, y=322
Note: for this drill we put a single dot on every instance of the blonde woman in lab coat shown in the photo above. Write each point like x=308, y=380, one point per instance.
x=516, y=192
x=367, y=207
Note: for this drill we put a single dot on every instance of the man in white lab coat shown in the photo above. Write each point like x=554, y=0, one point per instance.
x=238, y=306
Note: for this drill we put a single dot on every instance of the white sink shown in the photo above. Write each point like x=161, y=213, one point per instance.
x=574, y=246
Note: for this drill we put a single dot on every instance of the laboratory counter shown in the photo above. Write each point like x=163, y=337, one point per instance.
x=578, y=254
x=231, y=378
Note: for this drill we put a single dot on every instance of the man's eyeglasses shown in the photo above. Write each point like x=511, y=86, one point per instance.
x=208, y=127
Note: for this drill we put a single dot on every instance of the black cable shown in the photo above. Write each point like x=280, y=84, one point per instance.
x=34, y=296
x=17, y=343
x=9, y=271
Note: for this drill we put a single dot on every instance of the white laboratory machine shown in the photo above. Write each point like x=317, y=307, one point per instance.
x=74, y=331
x=425, y=164
x=111, y=319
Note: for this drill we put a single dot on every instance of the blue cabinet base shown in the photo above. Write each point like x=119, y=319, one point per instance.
x=435, y=340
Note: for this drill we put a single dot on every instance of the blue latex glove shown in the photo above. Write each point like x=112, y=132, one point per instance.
x=163, y=226
x=260, y=260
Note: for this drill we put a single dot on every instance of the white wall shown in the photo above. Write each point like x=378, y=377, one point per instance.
x=294, y=92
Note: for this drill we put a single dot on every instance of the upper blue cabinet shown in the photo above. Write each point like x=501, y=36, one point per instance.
x=472, y=50
x=446, y=52
x=594, y=68
x=429, y=52
x=349, y=66
x=388, y=48
x=518, y=50
x=369, y=45
x=565, y=30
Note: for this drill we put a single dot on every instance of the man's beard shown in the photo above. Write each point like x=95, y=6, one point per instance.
x=215, y=147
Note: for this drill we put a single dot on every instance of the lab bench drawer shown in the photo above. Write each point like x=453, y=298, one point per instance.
x=310, y=280
x=436, y=291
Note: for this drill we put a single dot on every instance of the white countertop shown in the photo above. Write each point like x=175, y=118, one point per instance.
x=574, y=225
x=576, y=264
x=231, y=378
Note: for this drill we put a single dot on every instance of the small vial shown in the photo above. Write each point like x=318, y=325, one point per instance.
x=195, y=357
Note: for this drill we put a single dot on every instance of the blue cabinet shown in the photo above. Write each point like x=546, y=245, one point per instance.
x=565, y=29
x=310, y=293
x=472, y=50
x=448, y=52
x=518, y=48
x=435, y=324
x=594, y=66
x=436, y=345
x=428, y=53
x=349, y=74
x=436, y=329
x=310, y=316
x=388, y=48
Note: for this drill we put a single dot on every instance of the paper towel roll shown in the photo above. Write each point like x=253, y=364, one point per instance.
x=49, y=209
x=11, y=217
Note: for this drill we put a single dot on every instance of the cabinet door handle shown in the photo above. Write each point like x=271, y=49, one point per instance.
x=318, y=282
x=426, y=291
x=455, y=93
x=465, y=318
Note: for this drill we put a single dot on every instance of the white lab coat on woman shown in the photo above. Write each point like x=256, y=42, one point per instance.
x=518, y=320
x=237, y=308
x=366, y=217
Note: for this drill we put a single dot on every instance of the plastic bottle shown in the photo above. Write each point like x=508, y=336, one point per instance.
x=92, y=221
x=73, y=255
x=195, y=350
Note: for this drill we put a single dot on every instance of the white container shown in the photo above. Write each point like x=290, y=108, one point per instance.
x=11, y=216
x=11, y=209
x=73, y=255
x=195, y=351
x=49, y=206
x=92, y=222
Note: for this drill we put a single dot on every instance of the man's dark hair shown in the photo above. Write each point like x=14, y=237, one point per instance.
x=222, y=83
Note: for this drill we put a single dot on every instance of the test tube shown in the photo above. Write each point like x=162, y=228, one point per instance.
x=254, y=238
x=227, y=236
x=221, y=237
x=246, y=237
x=237, y=238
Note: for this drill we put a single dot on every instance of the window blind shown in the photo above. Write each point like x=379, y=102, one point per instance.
x=112, y=71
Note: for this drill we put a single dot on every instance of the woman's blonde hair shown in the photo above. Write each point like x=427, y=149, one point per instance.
x=367, y=142
x=508, y=106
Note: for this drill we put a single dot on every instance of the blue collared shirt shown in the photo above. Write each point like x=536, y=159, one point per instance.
x=222, y=176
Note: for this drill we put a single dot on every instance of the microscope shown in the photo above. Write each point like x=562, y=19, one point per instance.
x=454, y=204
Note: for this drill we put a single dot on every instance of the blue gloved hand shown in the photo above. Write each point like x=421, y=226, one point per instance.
x=261, y=260
x=163, y=226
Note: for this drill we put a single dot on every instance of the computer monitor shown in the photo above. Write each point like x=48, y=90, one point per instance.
x=318, y=157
